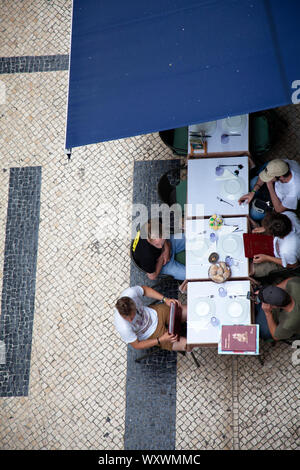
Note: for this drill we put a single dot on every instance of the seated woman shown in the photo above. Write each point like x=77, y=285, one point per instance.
x=285, y=228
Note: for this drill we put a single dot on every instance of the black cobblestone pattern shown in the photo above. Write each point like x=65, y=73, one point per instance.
x=151, y=384
x=19, y=276
x=29, y=64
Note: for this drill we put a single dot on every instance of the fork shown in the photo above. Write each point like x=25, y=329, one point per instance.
x=222, y=200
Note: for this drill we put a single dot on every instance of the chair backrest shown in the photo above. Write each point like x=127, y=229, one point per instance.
x=176, y=140
x=166, y=191
x=133, y=259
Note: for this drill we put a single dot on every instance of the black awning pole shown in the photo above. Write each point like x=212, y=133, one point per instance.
x=68, y=152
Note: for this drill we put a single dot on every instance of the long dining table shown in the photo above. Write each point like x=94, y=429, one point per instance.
x=214, y=185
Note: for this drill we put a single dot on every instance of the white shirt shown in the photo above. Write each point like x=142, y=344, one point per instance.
x=144, y=323
x=289, y=193
x=287, y=248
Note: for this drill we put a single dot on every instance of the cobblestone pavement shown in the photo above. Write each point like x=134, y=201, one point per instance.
x=77, y=379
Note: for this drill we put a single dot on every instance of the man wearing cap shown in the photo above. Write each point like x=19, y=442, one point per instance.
x=278, y=314
x=282, y=178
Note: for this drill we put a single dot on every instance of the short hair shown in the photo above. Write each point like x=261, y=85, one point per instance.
x=288, y=173
x=278, y=225
x=125, y=306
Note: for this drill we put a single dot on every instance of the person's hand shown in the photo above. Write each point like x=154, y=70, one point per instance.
x=167, y=338
x=246, y=198
x=169, y=301
x=165, y=257
x=259, y=230
x=260, y=258
x=266, y=308
x=166, y=253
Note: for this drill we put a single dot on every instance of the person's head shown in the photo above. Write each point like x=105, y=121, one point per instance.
x=277, y=225
x=277, y=169
x=154, y=233
x=126, y=308
x=274, y=296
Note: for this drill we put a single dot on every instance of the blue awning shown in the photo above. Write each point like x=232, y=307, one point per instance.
x=147, y=65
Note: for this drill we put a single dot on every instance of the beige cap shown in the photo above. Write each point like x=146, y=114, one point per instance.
x=274, y=168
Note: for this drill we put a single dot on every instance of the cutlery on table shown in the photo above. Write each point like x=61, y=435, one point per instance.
x=229, y=135
x=239, y=166
x=197, y=134
x=206, y=296
x=237, y=295
x=222, y=200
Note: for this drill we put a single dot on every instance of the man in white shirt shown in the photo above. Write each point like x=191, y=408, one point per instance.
x=144, y=327
x=282, y=178
x=286, y=243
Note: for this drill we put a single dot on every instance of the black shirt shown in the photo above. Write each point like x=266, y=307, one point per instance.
x=146, y=255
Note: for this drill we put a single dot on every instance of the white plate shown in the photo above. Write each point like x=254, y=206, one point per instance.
x=202, y=309
x=237, y=311
x=231, y=244
x=198, y=247
x=235, y=124
x=207, y=128
x=232, y=189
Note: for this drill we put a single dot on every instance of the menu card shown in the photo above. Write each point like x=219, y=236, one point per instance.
x=175, y=319
x=257, y=243
x=239, y=339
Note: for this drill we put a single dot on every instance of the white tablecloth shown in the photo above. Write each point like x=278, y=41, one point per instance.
x=206, y=188
x=204, y=295
x=199, y=246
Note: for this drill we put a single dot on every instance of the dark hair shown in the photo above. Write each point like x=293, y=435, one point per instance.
x=125, y=306
x=278, y=225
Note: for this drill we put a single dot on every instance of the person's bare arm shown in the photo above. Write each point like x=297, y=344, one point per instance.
x=274, y=198
x=261, y=258
x=153, y=294
x=159, y=265
x=249, y=196
x=149, y=343
x=162, y=260
x=270, y=320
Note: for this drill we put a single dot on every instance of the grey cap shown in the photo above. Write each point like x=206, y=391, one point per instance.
x=274, y=295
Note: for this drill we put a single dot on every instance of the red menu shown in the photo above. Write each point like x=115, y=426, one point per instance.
x=239, y=338
x=257, y=243
x=175, y=319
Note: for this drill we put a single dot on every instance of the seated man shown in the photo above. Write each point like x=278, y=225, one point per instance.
x=278, y=314
x=155, y=254
x=144, y=327
x=286, y=244
x=282, y=178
